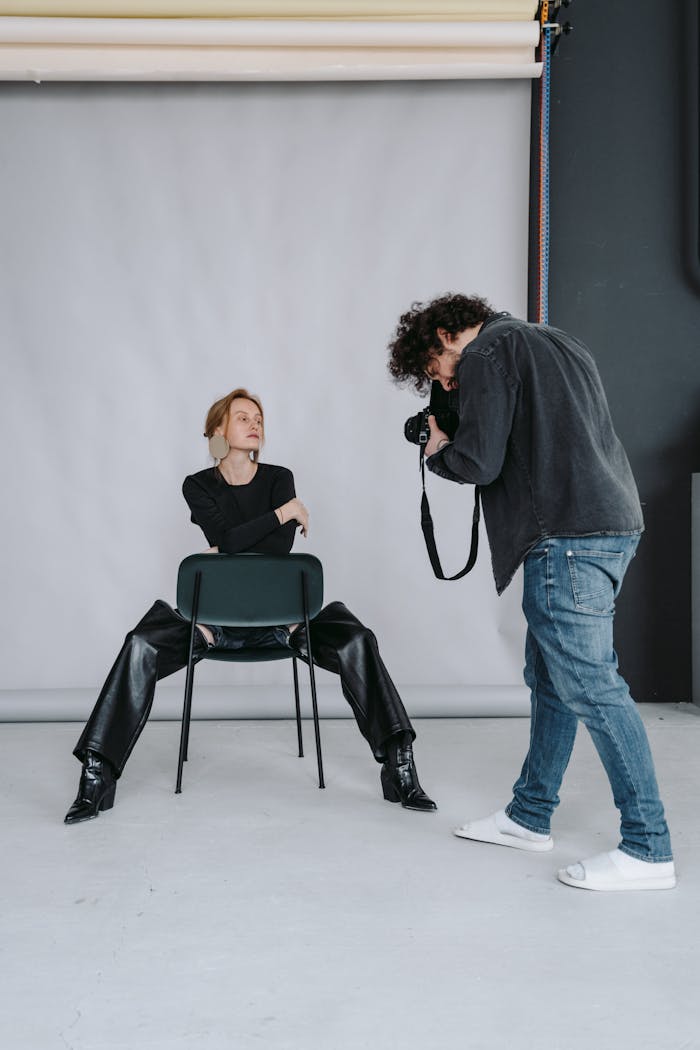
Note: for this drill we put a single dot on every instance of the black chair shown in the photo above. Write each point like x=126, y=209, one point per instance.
x=249, y=590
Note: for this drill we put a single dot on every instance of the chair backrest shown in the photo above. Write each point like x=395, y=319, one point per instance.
x=250, y=590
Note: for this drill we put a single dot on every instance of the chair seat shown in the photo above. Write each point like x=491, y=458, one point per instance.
x=251, y=656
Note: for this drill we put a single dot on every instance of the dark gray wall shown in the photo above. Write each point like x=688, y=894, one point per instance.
x=620, y=166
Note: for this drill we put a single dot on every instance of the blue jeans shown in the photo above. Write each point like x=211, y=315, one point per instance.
x=570, y=588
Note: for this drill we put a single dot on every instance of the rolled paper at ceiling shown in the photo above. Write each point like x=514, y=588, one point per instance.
x=190, y=49
x=198, y=64
x=424, y=10
x=259, y=33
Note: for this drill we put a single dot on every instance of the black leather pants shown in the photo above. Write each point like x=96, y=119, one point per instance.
x=340, y=643
x=159, y=644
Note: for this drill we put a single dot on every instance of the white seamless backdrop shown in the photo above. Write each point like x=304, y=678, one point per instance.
x=163, y=244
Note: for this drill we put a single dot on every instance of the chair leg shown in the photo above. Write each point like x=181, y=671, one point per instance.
x=317, y=730
x=312, y=676
x=189, y=682
x=298, y=707
x=187, y=725
x=185, y=729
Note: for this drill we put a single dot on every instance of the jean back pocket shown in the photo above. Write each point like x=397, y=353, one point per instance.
x=596, y=577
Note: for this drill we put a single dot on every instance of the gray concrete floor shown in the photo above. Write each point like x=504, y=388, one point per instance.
x=255, y=911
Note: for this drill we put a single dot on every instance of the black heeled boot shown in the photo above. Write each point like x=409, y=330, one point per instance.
x=95, y=791
x=400, y=778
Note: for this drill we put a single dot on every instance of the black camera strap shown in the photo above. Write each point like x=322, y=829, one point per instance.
x=426, y=521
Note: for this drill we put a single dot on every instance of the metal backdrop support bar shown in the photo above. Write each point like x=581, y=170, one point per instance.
x=543, y=182
x=539, y=255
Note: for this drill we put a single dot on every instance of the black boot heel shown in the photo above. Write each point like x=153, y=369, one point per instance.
x=390, y=792
x=108, y=799
x=400, y=782
x=96, y=790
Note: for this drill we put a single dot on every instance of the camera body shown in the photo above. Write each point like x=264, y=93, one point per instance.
x=444, y=406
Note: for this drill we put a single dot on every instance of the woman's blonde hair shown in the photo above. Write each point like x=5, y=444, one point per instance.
x=218, y=413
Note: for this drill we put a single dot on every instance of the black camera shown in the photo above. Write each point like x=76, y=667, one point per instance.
x=444, y=406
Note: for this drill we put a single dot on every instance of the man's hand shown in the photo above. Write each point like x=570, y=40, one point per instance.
x=438, y=438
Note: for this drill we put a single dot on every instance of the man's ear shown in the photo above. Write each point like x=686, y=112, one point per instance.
x=445, y=338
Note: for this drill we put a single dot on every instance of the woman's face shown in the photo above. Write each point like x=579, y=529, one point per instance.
x=244, y=427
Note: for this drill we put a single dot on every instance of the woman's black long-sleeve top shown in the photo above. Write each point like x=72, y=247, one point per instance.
x=237, y=518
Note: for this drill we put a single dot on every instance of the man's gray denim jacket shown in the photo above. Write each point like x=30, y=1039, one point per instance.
x=535, y=434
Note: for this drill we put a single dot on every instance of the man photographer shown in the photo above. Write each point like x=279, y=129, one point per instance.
x=558, y=495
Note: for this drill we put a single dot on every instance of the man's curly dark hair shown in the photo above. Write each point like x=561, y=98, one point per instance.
x=416, y=334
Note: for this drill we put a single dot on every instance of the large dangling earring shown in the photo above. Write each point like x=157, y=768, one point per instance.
x=219, y=447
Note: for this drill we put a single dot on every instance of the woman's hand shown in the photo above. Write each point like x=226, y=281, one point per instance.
x=294, y=510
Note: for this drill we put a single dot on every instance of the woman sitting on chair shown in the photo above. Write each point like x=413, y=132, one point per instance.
x=243, y=505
